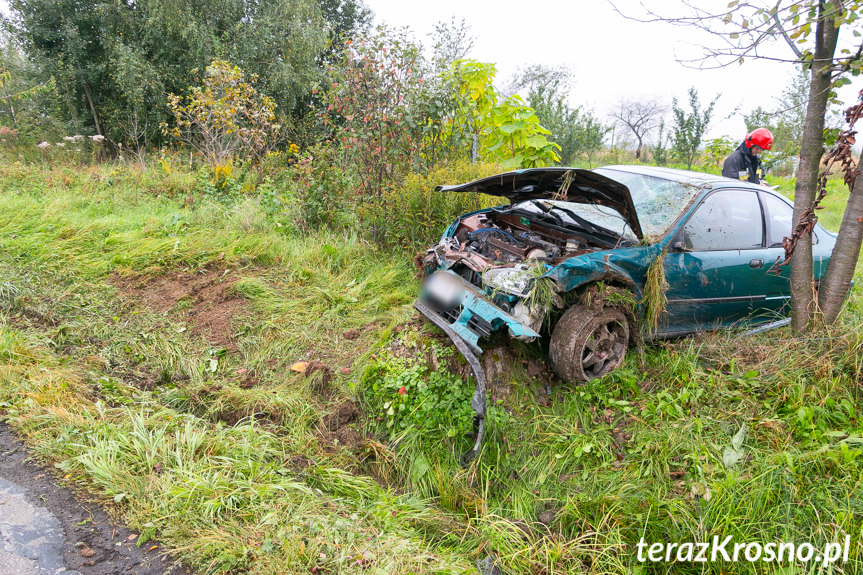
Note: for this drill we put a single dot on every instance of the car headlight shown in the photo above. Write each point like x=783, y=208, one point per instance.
x=444, y=287
x=513, y=281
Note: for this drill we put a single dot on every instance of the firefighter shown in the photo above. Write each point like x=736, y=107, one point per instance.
x=743, y=163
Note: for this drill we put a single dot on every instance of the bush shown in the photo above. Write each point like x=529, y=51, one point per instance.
x=404, y=392
x=413, y=216
x=321, y=190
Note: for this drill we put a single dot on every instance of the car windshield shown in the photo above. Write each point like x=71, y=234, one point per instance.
x=600, y=216
x=657, y=201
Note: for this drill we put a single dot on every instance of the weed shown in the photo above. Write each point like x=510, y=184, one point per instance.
x=653, y=300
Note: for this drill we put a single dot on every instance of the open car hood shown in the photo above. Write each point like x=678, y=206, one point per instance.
x=585, y=187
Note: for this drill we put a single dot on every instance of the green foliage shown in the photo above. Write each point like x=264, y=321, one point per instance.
x=27, y=107
x=322, y=189
x=717, y=149
x=689, y=127
x=660, y=148
x=785, y=121
x=576, y=130
x=412, y=215
x=115, y=63
x=403, y=393
x=371, y=107
x=506, y=130
x=224, y=118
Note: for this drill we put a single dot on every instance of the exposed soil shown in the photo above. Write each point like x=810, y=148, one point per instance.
x=338, y=425
x=94, y=544
x=203, y=299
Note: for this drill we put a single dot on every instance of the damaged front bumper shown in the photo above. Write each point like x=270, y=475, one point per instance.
x=468, y=311
x=466, y=315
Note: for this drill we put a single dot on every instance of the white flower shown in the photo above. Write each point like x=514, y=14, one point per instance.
x=60, y=144
x=69, y=138
x=97, y=138
x=43, y=145
x=78, y=138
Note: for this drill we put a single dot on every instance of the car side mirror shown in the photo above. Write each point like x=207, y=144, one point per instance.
x=678, y=244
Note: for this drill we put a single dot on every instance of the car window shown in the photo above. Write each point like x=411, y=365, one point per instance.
x=779, y=218
x=725, y=220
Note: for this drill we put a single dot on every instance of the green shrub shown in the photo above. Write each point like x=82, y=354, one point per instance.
x=322, y=189
x=413, y=216
x=402, y=393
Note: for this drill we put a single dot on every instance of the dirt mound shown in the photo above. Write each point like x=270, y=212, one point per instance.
x=338, y=428
x=203, y=299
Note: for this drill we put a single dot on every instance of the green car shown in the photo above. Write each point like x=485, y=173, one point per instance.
x=575, y=257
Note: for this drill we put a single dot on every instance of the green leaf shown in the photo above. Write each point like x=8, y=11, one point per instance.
x=739, y=437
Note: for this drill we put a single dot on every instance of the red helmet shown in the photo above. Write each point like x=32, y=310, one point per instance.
x=760, y=137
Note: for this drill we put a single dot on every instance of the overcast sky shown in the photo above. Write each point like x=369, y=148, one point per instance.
x=611, y=58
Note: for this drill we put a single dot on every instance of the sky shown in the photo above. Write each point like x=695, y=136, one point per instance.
x=610, y=58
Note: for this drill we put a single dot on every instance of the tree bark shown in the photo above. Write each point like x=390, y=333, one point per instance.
x=811, y=150
x=840, y=270
x=92, y=108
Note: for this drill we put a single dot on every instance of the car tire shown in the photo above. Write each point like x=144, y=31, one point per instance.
x=588, y=343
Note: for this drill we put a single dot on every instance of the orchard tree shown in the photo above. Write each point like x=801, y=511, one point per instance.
x=639, y=117
x=225, y=117
x=590, y=135
x=810, y=32
x=689, y=127
x=575, y=129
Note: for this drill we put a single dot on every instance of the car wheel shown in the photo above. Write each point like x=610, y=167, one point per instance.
x=588, y=343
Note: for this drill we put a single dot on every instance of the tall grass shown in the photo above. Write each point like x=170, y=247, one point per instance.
x=241, y=465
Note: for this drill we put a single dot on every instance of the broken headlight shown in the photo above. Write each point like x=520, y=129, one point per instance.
x=516, y=281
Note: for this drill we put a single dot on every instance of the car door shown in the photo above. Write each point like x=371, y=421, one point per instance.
x=778, y=217
x=716, y=265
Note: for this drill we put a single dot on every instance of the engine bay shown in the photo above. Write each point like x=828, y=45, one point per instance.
x=505, y=237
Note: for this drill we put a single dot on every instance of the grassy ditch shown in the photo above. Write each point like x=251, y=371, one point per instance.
x=146, y=350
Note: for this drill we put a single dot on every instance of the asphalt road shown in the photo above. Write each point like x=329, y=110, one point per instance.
x=46, y=529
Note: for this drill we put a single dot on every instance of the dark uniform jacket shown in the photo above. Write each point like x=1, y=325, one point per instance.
x=742, y=165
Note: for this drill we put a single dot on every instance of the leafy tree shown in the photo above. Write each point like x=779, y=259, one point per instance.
x=589, y=135
x=717, y=149
x=660, y=149
x=452, y=42
x=225, y=117
x=25, y=104
x=576, y=130
x=505, y=129
x=785, y=121
x=689, y=127
x=346, y=19
x=115, y=62
x=371, y=107
x=639, y=117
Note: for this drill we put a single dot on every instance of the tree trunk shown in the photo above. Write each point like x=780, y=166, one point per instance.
x=811, y=149
x=92, y=108
x=840, y=271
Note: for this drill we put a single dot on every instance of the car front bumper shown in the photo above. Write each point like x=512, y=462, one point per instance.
x=467, y=311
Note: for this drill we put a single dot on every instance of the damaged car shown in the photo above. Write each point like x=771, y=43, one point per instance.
x=592, y=259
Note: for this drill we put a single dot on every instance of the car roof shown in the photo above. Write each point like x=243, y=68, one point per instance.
x=700, y=179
